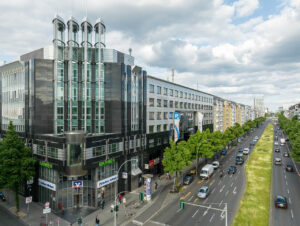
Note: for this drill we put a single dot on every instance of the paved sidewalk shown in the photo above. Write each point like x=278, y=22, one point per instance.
x=35, y=216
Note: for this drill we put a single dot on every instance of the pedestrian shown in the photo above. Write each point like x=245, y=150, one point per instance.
x=97, y=221
x=156, y=185
x=102, y=194
x=102, y=203
x=62, y=209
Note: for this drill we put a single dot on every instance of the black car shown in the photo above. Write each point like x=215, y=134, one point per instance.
x=277, y=150
x=289, y=168
x=286, y=154
x=188, y=179
x=232, y=169
x=280, y=202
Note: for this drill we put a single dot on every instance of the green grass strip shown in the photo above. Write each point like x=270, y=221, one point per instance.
x=255, y=204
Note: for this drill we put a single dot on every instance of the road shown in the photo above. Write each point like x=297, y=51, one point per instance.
x=286, y=184
x=8, y=219
x=226, y=190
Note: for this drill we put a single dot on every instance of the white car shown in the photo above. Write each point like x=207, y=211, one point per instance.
x=276, y=142
x=215, y=164
x=277, y=161
x=203, y=193
x=256, y=137
x=246, y=151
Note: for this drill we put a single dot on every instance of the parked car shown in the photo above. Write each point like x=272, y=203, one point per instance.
x=281, y=202
x=252, y=143
x=216, y=164
x=2, y=197
x=232, y=169
x=239, y=159
x=246, y=151
x=241, y=149
x=277, y=161
x=256, y=137
x=287, y=139
x=188, y=179
x=276, y=143
x=286, y=154
x=277, y=150
x=224, y=152
x=207, y=171
x=203, y=192
x=289, y=168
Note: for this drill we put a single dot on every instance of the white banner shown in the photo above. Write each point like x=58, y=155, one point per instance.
x=200, y=118
x=176, y=126
x=107, y=181
x=47, y=184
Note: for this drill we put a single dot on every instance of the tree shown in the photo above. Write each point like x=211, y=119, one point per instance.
x=296, y=149
x=16, y=163
x=176, y=157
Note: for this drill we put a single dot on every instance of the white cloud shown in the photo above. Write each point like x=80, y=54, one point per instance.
x=245, y=7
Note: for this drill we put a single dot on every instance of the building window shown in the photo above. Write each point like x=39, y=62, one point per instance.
x=189, y=106
x=151, y=115
x=176, y=104
x=181, y=104
x=165, y=127
x=151, y=88
x=171, y=104
x=165, y=91
x=176, y=93
x=189, y=96
x=165, y=115
x=158, y=90
x=158, y=102
x=192, y=96
x=171, y=92
x=158, y=128
x=181, y=94
x=185, y=105
x=151, y=102
x=151, y=129
x=165, y=103
x=185, y=95
x=158, y=115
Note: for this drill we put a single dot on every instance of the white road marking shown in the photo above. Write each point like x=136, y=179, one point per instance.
x=158, y=223
x=230, y=175
x=234, y=190
x=178, y=210
x=222, y=188
x=213, y=190
x=286, y=182
x=222, y=215
x=239, y=172
x=219, y=183
x=231, y=184
x=288, y=191
x=191, y=198
x=285, y=176
x=226, y=193
x=195, y=213
x=220, y=203
x=211, y=217
x=290, y=200
x=292, y=214
x=206, y=211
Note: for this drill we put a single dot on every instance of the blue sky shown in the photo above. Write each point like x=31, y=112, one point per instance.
x=233, y=49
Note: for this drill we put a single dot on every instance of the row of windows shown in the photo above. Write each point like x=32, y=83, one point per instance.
x=176, y=93
x=165, y=115
x=112, y=148
x=176, y=104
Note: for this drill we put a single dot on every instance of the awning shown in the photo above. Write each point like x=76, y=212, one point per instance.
x=136, y=171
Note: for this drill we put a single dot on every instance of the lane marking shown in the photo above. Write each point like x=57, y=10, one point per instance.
x=222, y=188
x=292, y=214
x=158, y=223
x=290, y=200
x=184, y=197
x=191, y=198
x=213, y=190
x=231, y=184
x=211, y=217
x=195, y=213
x=234, y=190
x=288, y=191
x=239, y=172
x=212, y=182
x=221, y=203
x=219, y=183
x=285, y=176
x=196, y=199
x=178, y=210
x=200, y=181
x=286, y=182
x=226, y=193
x=206, y=211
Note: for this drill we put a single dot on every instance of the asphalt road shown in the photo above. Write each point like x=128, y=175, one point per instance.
x=228, y=189
x=286, y=184
x=8, y=219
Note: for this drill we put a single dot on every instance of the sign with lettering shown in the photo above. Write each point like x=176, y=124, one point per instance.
x=46, y=164
x=77, y=184
x=106, y=162
x=107, y=181
x=28, y=200
x=151, y=163
x=47, y=184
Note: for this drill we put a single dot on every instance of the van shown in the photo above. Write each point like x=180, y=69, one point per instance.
x=207, y=171
x=282, y=141
x=239, y=159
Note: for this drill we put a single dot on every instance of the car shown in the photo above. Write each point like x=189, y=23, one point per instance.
x=286, y=154
x=281, y=202
x=256, y=137
x=239, y=159
x=287, y=139
x=276, y=138
x=2, y=197
x=277, y=161
x=232, y=169
x=246, y=151
x=241, y=149
x=254, y=140
x=224, y=152
x=216, y=164
x=203, y=192
x=188, y=179
x=252, y=143
x=289, y=168
x=276, y=143
x=277, y=150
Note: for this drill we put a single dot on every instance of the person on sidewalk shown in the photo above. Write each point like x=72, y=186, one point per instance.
x=102, y=203
x=97, y=221
x=156, y=185
x=62, y=209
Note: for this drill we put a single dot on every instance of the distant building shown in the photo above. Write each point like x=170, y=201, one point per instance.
x=259, y=106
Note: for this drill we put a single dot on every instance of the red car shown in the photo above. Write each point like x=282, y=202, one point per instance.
x=289, y=168
x=281, y=202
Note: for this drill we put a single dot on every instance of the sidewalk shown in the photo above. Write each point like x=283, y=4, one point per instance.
x=35, y=216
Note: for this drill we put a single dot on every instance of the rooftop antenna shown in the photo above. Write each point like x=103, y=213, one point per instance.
x=173, y=74
x=130, y=51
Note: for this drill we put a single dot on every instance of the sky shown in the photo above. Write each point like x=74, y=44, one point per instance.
x=235, y=49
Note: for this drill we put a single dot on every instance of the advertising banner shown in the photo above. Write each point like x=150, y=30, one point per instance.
x=107, y=181
x=176, y=126
x=199, y=118
x=148, y=188
x=47, y=184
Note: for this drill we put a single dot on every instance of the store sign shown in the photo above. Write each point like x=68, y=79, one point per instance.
x=107, y=181
x=46, y=210
x=77, y=184
x=156, y=161
x=106, y=162
x=124, y=175
x=47, y=184
x=146, y=166
x=46, y=164
x=151, y=163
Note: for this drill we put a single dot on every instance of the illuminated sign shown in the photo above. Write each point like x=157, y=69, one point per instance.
x=106, y=162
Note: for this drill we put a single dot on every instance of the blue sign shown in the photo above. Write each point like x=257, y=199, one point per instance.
x=170, y=115
x=107, y=181
x=77, y=184
x=177, y=115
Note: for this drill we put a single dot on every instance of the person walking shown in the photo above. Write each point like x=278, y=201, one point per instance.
x=102, y=203
x=97, y=221
x=156, y=185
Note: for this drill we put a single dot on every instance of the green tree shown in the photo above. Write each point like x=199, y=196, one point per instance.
x=176, y=157
x=296, y=149
x=16, y=163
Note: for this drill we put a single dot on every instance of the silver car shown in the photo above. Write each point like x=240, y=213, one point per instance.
x=203, y=192
x=277, y=161
x=216, y=164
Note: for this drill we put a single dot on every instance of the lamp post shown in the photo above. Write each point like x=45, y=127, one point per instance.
x=115, y=212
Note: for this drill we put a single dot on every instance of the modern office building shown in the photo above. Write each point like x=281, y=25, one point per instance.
x=259, y=107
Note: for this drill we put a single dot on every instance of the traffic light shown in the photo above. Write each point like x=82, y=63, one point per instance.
x=79, y=220
x=182, y=204
x=141, y=196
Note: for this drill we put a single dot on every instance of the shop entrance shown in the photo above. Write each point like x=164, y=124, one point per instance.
x=77, y=200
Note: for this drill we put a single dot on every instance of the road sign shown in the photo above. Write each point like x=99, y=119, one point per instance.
x=77, y=184
x=46, y=210
x=28, y=200
x=47, y=204
x=58, y=219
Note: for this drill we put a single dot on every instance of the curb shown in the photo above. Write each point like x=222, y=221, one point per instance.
x=271, y=190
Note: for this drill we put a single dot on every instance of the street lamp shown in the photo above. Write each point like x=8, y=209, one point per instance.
x=115, y=212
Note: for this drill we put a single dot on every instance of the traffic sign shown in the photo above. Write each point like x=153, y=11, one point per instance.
x=46, y=210
x=47, y=204
x=28, y=200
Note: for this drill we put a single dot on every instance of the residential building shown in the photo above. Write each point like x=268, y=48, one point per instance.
x=259, y=107
x=218, y=113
